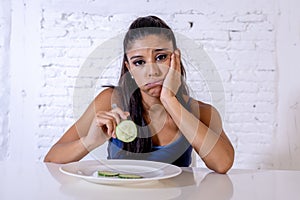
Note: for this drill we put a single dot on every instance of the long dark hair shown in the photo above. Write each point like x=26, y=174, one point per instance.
x=130, y=92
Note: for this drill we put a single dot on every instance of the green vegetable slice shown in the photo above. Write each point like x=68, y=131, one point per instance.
x=130, y=176
x=107, y=173
x=126, y=131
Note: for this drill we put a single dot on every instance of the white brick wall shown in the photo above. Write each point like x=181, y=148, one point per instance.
x=67, y=37
x=239, y=37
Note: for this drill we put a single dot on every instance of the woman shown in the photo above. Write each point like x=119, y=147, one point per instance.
x=151, y=92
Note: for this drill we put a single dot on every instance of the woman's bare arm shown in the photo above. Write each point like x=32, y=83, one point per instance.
x=84, y=135
x=203, y=128
x=205, y=133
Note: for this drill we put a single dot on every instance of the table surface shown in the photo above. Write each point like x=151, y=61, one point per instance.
x=45, y=181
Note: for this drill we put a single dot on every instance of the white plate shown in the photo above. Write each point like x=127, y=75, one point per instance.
x=149, y=170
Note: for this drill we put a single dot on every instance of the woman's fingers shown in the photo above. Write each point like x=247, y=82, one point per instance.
x=119, y=111
x=108, y=120
x=175, y=67
x=115, y=115
x=173, y=78
x=175, y=61
x=177, y=58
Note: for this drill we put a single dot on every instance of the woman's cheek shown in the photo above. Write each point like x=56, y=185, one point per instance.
x=138, y=78
x=164, y=68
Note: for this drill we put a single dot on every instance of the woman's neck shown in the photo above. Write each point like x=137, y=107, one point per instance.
x=149, y=101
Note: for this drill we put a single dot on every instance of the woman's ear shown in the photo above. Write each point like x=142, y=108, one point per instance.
x=127, y=65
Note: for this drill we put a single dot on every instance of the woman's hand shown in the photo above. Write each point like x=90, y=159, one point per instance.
x=104, y=125
x=172, y=80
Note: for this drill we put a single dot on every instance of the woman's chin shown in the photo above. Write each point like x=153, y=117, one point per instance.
x=155, y=92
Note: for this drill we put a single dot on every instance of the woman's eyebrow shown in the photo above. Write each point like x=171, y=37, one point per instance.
x=162, y=49
x=137, y=56
x=155, y=50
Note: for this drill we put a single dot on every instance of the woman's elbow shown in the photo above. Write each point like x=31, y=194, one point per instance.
x=226, y=164
x=47, y=158
x=223, y=168
x=223, y=163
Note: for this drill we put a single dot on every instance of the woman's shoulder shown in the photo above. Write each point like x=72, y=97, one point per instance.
x=204, y=111
x=107, y=92
x=196, y=104
x=106, y=97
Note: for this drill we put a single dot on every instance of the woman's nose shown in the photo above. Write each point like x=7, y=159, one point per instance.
x=153, y=70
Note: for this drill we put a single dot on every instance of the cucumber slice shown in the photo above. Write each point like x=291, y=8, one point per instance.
x=130, y=176
x=126, y=131
x=107, y=173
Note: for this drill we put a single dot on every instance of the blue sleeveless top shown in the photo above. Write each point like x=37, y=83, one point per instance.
x=176, y=153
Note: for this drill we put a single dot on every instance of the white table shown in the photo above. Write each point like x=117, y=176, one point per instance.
x=45, y=181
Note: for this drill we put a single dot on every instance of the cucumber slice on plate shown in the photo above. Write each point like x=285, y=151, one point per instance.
x=126, y=131
x=107, y=173
x=129, y=176
x=118, y=175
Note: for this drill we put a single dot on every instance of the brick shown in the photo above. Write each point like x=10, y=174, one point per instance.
x=200, y=23
x=253, y=139
x=251, y=117
x=268, y=75
x=60, y=82
x=53, y=112
x=54, y=91
x=265, y=26
x=77, y=52
x=257, y=35
x=50, y=52
x=65, y=42
x=242, y=87
x=215, y=35
x=241, y=45
x=220, y=60
x=251, y=18
x=255, y=107
x=49, y=72
x=266, y=45
x=221, y=17
x=235, y=35
x=243, y=59
x=55, y=122
x=253, y=97
x=96, y=35
x=62, y=61
x=246, y=75
x=54, y=33
x=232, y=26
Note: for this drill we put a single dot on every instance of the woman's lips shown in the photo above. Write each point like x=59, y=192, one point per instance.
x=154, y=83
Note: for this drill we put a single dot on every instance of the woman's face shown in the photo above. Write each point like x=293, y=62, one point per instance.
x=148, y=62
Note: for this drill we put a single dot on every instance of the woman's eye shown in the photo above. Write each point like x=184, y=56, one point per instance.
x=139, y=62
x=161, y=57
